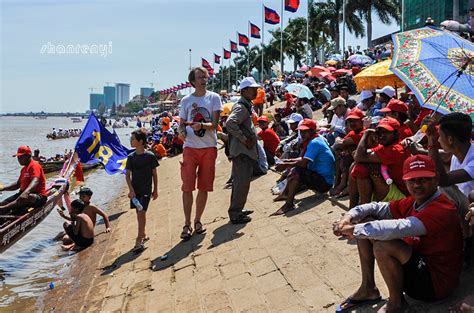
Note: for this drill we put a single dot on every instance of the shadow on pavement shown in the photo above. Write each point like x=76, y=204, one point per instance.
x=226, y=233
x=307, y=204
x=177, y=253
x=121, y=260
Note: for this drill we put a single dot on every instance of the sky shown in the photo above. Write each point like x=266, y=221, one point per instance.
x=143, y=42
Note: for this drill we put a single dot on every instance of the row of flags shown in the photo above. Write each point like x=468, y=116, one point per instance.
x=270, y=16
x=175, y=88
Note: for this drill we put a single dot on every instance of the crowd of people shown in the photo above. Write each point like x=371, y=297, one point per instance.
x=64, y=133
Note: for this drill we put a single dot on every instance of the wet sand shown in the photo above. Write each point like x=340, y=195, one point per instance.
x=289, y=263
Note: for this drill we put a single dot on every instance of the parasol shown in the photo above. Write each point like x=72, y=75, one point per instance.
x=377, y=76
x=438, y=66
x=299, y=90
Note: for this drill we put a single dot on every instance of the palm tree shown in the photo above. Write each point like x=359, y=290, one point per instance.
x=328, y=15
x=386, y=10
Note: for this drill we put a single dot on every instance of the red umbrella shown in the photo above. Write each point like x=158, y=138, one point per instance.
x=318, y=69
x=331, y=69
x=327, y=76
x=309, y=74
x=342, y=72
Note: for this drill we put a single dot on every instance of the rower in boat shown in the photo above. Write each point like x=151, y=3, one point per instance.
x=31, y=183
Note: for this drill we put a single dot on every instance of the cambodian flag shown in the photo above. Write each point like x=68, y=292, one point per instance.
x=227, y=54
x=233, y=47
x=217, y=59
x=188, y=84
x=271, y=16
x=292, y=5
x=207, y=66
x=254, y=31
x=243, y=40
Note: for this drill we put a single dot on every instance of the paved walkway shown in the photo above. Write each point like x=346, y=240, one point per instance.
x=289, y=263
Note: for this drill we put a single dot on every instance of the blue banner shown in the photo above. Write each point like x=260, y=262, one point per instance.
x=97, y=144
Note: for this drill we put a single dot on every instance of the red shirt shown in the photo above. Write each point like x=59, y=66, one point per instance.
x=355, y=136
x=33, y=169
x=393, y=157
x=442, y=245
x=423, y=113
x=404, y=131
x=270, y=139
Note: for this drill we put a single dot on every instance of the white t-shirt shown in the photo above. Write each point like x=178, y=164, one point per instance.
x=468, y=166
x=200, y=109
x=339, y=123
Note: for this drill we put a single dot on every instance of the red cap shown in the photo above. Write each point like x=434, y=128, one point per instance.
x=262, y=119
x=418, y=166
x=395, y=105
x=355, y=114
x=307, y=124
x=22, y=150
x=389, y=123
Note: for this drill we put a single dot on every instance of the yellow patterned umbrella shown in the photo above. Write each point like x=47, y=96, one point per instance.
x=377, y=76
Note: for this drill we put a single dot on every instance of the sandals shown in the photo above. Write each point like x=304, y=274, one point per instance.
x=186, y=233
x=139, y=247
x=284, y=209
x=352, y=304
x=198, y=228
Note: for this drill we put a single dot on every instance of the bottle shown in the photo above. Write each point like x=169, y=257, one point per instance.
x=420, y=134
x=137, y=204
x=386, y=177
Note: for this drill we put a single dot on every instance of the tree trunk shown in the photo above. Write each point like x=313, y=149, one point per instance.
x=313, y=55
x=337, y=37
x=369, y=28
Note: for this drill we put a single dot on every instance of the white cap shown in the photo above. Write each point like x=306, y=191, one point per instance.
x=248, y=82
x=365, y=94
x=389, y=91
x=295, y=118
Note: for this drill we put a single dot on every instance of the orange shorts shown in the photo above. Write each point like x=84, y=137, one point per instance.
x=200, y=164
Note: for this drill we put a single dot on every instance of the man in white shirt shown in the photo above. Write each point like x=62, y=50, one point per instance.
x=199, y=117
x=337, y=127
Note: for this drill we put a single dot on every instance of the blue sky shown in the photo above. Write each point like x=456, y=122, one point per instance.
x=150, y=43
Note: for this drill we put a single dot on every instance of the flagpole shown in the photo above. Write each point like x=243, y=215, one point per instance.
x=307, y=35
x=229, y=74
x=403, y=16
x=248, y=54
x=343, y=29
x=213, y=67
x=263, y=32
x=222, y=74
x=281, y=39
x=236, y=65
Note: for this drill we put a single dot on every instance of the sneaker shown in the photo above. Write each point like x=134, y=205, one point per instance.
x=241, y=219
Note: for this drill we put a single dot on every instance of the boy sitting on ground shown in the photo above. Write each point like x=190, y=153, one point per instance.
x=81, y=228
x=416, y=241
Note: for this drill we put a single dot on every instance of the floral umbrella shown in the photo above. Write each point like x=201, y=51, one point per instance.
x=377, y=76
x=438, y=66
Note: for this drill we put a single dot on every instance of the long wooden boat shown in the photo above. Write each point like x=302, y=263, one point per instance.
x=14, y=227
x=56, y=166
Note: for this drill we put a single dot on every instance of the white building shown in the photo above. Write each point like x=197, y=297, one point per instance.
x=122, y=93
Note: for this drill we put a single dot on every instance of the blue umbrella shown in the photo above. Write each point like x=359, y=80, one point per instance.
x=335, y=57
x=438, y=66
x=360, y=59
x=299, y=90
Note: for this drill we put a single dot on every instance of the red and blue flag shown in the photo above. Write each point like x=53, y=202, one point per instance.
x=217, y=59
x=207, y=66
x=233, y=47
x=292, y=5
x=271, y=16
x=243, y=40
x=227, y=54
x=254, y=31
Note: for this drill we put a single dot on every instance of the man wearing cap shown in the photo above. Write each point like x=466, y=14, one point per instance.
x=270, y=139
x=399, y=111
x=367, y=101
x=366, y=181
x=242, y=149
x=416, y=241
x=337, y=128
x=315, y=169
x=286, y=145
x=343, y=149
x=385, y=94
x=32, y=185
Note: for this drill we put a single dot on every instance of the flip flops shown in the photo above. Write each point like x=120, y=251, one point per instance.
x=187, y=232
x=352, y=304
x=198, y=228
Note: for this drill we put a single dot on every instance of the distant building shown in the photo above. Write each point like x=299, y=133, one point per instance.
x=95, y=100
x=417, y=11
x=146, y=91
x=109, y=93
x=122, y=93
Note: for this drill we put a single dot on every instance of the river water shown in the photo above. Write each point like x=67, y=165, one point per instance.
x=27, y=268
